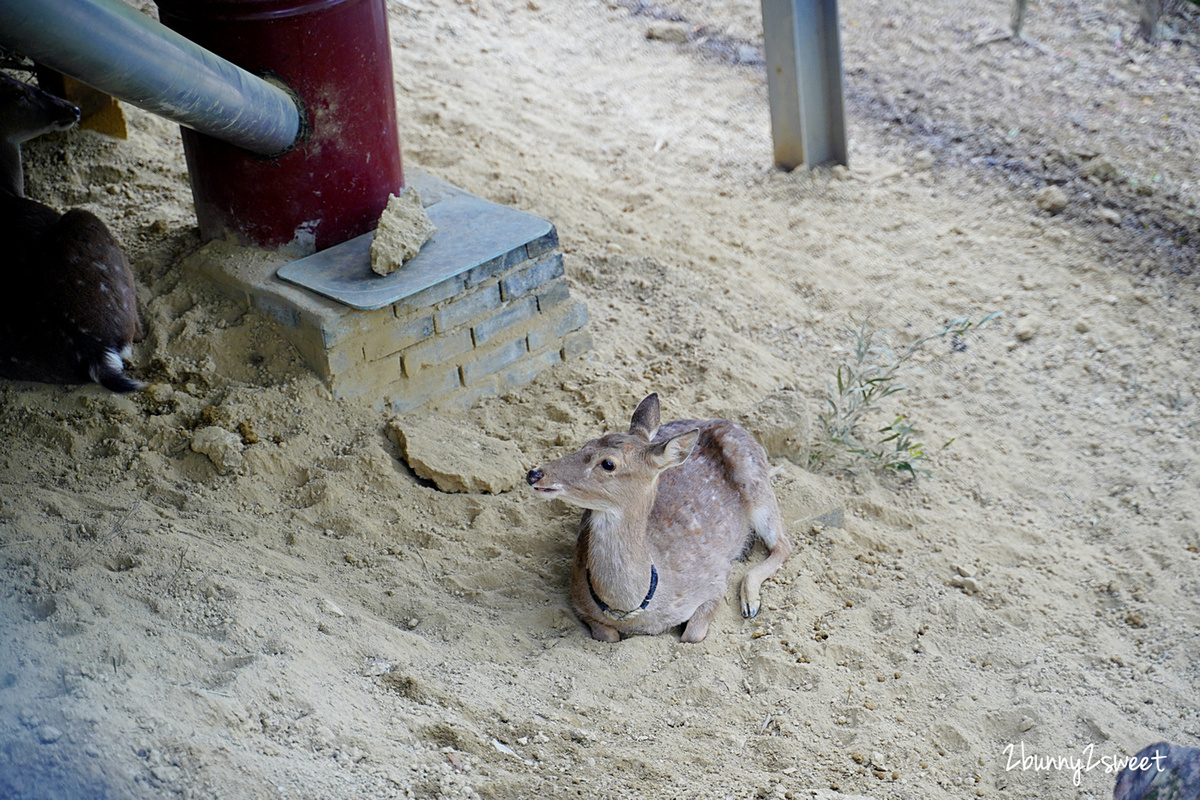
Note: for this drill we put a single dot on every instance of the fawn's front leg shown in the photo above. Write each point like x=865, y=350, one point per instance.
x=697, y=626
x=602, y=632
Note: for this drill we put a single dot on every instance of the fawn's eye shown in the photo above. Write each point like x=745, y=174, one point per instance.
x=607, y=465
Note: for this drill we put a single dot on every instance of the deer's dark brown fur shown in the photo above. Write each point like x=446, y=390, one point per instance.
x=68, y=313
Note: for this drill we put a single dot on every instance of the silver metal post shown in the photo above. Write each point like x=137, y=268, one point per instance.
x=804, y=82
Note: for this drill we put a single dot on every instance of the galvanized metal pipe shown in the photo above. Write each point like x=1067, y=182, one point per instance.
x=118, y=50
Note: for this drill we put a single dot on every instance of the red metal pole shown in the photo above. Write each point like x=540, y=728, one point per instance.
x=335, y=55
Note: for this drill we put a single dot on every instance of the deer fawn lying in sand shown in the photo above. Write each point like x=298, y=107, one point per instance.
x=666, y=511
x=69, y=310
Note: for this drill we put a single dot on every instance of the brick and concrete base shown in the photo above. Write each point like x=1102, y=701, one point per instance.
x=476, y=328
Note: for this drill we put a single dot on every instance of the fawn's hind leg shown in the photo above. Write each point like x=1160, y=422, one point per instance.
x=768, y=524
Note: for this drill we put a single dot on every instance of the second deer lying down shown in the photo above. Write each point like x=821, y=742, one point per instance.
x=68, y=312
x=667, y=509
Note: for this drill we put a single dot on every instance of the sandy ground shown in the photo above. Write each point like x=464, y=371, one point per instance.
x=317, y=622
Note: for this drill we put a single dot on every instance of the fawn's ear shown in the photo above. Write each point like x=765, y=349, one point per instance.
x=646, y=417
x=672, y=452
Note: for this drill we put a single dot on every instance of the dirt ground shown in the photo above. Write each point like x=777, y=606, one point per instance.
x=317, y=622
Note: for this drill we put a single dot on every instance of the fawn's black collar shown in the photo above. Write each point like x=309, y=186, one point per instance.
x=613, y=613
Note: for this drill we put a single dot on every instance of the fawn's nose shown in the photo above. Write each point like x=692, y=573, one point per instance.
x=534, y=476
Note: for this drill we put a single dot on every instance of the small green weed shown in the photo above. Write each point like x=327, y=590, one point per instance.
x=869, y=374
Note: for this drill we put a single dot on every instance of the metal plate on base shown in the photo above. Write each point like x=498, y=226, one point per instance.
x=470, y=231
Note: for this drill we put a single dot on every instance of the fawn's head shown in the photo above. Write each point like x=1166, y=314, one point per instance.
x=27, y=111
x=618, y=470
